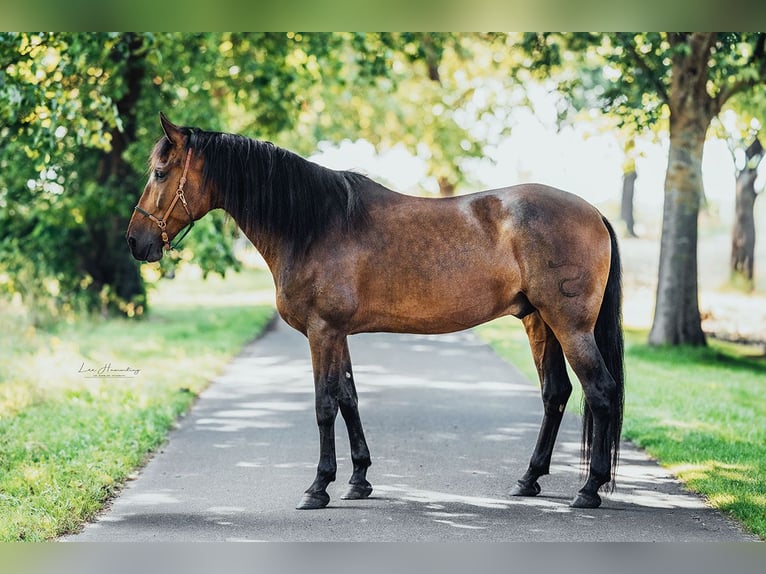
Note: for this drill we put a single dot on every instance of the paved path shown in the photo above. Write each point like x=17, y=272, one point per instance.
x=450, y=426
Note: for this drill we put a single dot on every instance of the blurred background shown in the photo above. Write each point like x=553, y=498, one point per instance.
x=432, y=114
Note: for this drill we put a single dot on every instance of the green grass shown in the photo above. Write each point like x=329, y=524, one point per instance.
x=68, y=442
x=699, y=411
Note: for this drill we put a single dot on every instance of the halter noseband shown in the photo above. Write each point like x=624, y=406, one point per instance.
x=162, y=221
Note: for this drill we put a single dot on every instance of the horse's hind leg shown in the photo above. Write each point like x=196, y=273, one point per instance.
x=360, y=454
x=556, y=388
x=602, y=397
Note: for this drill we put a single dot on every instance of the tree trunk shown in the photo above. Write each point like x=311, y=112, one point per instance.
x=446, y=187
x=743, y=233
x=626, y=207
x=110, y=262
x=677, y=317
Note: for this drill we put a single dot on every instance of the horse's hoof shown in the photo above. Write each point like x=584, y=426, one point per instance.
x=357, y=492
x=524, y=489
x=313, y=501
x=585, y=500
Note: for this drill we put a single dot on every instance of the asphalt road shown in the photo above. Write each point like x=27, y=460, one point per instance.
x=450, y=426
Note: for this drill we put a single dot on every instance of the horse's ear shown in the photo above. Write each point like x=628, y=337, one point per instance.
x=174, y=134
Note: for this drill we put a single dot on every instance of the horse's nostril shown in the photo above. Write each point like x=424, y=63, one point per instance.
x=132, y=243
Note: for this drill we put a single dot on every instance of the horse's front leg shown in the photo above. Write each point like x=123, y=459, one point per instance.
x=327, y=348
x=360, y=455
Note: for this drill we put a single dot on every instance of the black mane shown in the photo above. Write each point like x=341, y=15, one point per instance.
x=269, y=189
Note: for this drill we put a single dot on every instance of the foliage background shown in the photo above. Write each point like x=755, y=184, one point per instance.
x=394, y=15
x=80, y=113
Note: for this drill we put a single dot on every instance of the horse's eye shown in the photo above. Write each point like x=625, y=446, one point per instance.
x=159, y=175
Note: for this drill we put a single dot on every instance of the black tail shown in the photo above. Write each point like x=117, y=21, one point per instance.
x=609, y=339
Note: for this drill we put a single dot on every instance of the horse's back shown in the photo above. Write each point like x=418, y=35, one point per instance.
x=439, y=265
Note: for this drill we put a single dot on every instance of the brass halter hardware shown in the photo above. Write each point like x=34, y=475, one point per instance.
x=162, y=221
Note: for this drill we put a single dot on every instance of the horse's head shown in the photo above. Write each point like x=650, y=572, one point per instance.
x=173, y=197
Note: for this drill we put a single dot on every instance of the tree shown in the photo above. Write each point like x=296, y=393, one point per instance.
x=740, y=125
x=629, y=176
x=70, y=167
x=629, y=138
x=706, y=70
x=79, y=114
x=58, y=211
x=689, y=76
x=426, y=101
x=743, y=231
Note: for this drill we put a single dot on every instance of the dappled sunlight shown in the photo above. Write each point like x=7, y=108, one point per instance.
x=150, y=498
x=271, y=387
x=722, y=500
x=490, y=387
x=255, y=375
x=698, y=470
x=267, y=374
x=643, y=474
x=697, y=425
x=641, y=482
x=299, y=464
x=430, y=474
x=278, y=406
x=452, y=351
x=250, y=377
x=226, y=510
x=475, y=471
x=653, y=499
x=234, y=425
x=263, y=462
x=517, y=432
x=458, y=525
x=433, y=499
x=231, y=444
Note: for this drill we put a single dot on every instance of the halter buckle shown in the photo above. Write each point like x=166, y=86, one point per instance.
x=182, y=197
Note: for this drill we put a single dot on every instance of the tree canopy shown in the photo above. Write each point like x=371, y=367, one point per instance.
x=78, y=115
x=641, y=78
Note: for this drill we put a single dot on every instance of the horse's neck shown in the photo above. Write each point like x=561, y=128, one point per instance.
x=278, y=252
x=273, y=250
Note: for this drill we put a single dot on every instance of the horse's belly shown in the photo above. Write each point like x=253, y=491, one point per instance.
x=429, y=307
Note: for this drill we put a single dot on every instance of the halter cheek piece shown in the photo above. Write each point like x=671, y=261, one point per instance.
x=162, y=221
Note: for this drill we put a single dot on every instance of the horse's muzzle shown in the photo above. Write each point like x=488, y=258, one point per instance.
x=150, y=252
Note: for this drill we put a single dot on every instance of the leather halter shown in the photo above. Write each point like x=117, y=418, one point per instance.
x=162, y=221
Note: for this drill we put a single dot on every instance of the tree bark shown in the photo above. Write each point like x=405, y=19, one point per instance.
x=743, y=233
x=677, y=318
x=626, y=207
x=110, y=262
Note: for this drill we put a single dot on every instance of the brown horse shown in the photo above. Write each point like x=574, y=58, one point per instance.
x=350, y=256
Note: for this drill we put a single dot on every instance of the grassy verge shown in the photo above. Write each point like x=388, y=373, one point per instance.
x=69, y=437
x=699, y=412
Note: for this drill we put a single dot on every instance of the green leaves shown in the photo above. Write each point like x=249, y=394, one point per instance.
x=78, y=111
x=78, y=115
x=630, y=75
